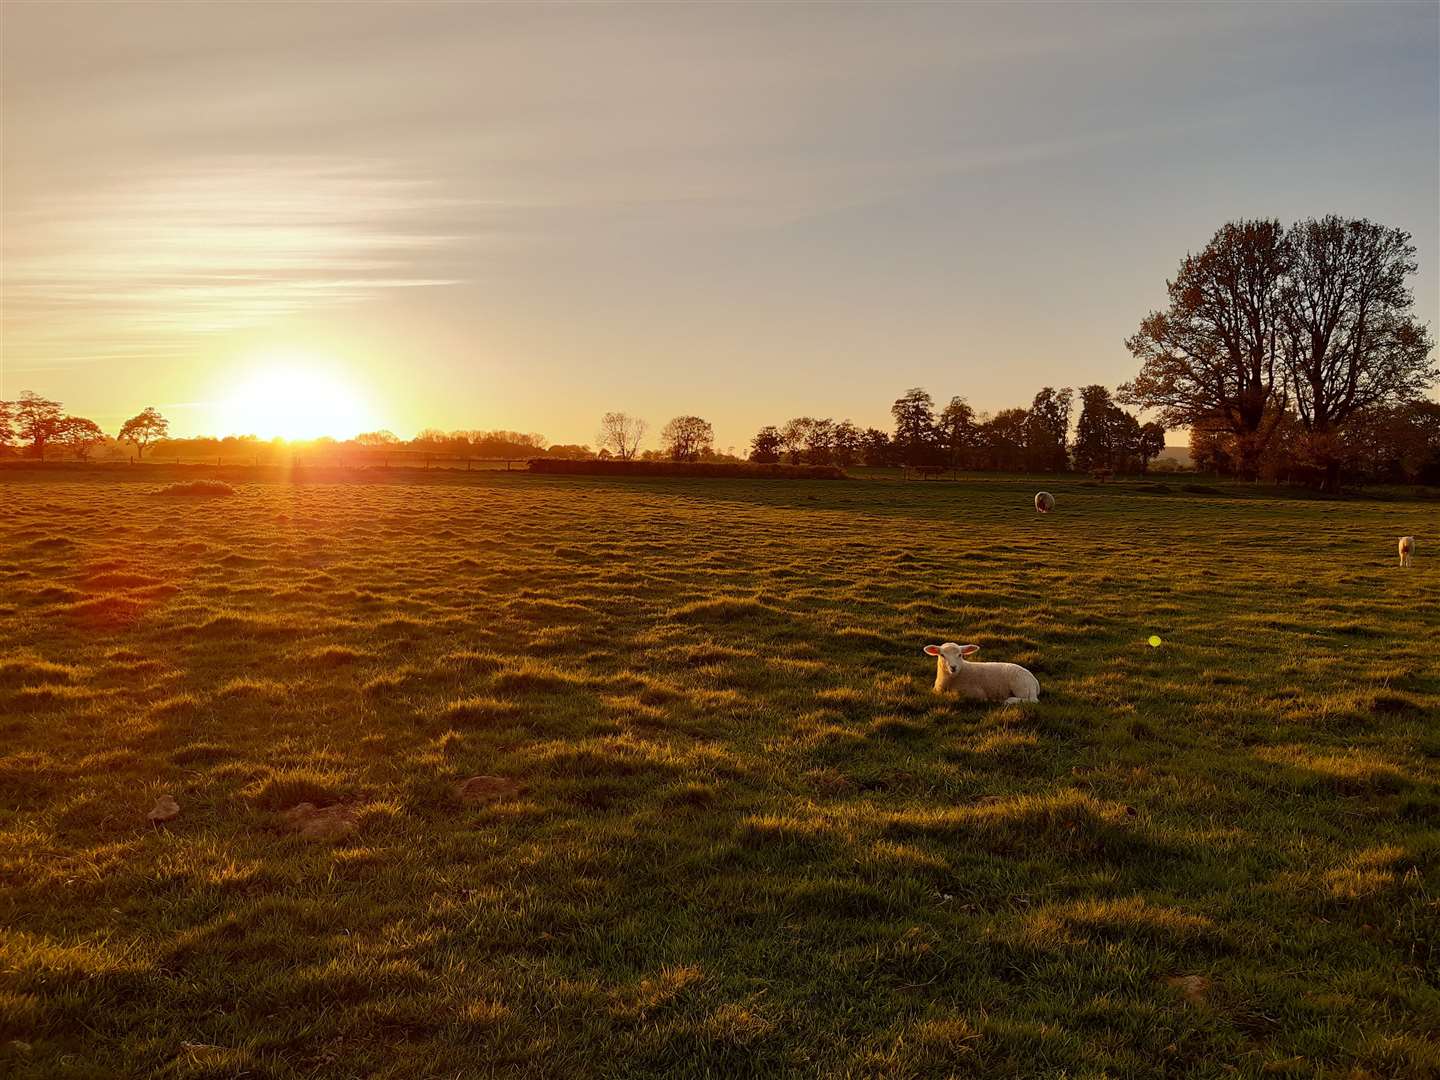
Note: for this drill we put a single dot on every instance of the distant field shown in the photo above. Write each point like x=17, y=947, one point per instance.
x=734, y=833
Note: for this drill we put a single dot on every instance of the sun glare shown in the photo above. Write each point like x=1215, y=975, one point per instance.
x=293, y=396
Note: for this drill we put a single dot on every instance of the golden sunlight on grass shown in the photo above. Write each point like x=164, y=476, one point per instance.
x=482, y=774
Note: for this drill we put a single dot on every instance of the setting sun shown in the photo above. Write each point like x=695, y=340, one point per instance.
x=292, y=396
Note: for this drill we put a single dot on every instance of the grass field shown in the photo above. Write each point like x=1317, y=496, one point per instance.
x=734, y=833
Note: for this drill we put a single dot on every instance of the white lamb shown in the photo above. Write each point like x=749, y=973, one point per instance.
x=980, y=681
x=1407, y=549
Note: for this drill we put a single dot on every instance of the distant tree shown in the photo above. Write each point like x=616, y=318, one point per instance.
x=7, y=429
x=621, y=434
x=377, y=438
x=794, y=435
x=430, y=436
x=766, y=446
x=916, y=441
x=1095, y=431
x=686, y=438
x=875, y=448
x=1047, y=427
x=1212, y=447
x=1413, y=434
x=846, y=444
x=1108, y=437
x=1214, y=353
x=143, y=429
x=1349, y=344
x=820, y=442
x=79, y=435
x=958, y=433
x=1002, y=440
x=37, y=421
x=1151, y=443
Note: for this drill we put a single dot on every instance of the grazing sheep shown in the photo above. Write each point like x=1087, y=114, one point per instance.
x=1044, y=502
x=980, y=681
x=1407, y=549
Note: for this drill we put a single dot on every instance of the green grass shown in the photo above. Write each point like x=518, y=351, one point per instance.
x=734, y=833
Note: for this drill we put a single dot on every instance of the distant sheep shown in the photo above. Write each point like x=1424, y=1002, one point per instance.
x=1044, y=502
x=980, y=681
x=1407, y=550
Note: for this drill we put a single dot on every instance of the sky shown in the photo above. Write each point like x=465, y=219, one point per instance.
x=522, y=216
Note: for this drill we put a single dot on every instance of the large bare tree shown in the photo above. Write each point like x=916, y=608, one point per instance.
x=1349, y=344
x=686, y=438
x=1214, y=353
x=621, y=433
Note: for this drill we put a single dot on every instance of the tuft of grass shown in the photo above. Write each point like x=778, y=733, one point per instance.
x=473, y=711
x=197, y=487
x=35, y=671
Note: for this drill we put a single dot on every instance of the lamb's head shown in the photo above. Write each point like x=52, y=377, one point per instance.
x=950, y=654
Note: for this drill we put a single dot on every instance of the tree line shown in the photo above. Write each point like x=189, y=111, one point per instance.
x=1290, y=353
x=33, y=424
x=1036, y=439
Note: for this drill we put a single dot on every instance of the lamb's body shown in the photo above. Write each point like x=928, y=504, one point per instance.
x=981, y=681
x=1407, y=550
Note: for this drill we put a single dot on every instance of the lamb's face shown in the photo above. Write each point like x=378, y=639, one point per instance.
x=950, y=654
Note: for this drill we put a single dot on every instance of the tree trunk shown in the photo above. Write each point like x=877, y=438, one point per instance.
x=1330, y=485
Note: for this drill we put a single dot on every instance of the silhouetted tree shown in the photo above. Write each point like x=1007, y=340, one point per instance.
x=1215, y=352
x=37, y=421
x=875, y=448
x=1151, y=443
x=143, y=429
x=794, y=434
x=1095, y=431
x=1047, y=428
x=1108, y=437
x=1002, y=440
x=958, y=433
x=766, y=446
x=7, y=425
x=686, y=438
x=820, y=442
x=1349, y=344
x=79, y=435
x=915, y=441
x=621, y=434
x=845, y=443
x=377, y=438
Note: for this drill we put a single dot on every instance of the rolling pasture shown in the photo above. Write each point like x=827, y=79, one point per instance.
x=727, y=829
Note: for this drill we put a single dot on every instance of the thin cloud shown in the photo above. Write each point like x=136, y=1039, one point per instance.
x=215, y=248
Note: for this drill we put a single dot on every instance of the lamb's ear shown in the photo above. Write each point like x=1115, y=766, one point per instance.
x=932, y=650
x=966, y=650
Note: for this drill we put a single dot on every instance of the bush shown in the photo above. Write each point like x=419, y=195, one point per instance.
x=198, y=487
x=747, y=470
